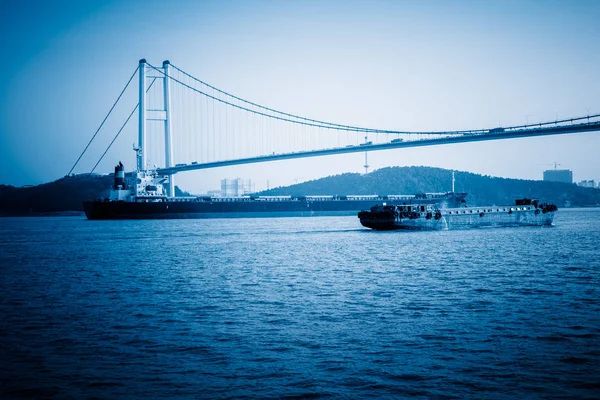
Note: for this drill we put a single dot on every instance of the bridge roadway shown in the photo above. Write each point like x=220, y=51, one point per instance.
x=476, y=137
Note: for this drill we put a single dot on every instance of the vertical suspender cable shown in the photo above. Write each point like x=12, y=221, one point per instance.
x=119, y=132
x=103, y=121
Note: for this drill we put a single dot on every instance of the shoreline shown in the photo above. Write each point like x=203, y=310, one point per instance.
x=42, y=214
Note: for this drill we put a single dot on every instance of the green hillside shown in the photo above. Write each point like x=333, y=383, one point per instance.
x=63, y=195
x=482, y=190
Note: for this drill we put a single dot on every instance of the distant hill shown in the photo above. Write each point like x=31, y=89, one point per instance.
x=482, y=190
x=63, y=195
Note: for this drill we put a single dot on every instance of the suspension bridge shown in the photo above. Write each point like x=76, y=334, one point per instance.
x=186, y=124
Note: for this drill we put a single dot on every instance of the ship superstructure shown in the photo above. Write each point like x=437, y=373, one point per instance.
x=140, y=186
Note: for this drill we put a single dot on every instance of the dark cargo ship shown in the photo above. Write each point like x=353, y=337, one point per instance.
x=142, y=196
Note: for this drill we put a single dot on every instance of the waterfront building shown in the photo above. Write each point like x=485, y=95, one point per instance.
x=558, y=175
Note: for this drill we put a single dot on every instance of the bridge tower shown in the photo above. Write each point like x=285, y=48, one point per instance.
x=141, y=147
x=165, y=116
x=168, y=127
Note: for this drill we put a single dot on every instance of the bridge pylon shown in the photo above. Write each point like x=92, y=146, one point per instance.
x=141, y=152
x=168, y=127
x=165, y=115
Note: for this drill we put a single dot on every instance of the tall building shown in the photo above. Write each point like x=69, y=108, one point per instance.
x=236, y=187
x=559, y=175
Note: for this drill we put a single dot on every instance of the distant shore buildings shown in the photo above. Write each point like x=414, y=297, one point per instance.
x=236, y=187
x=589, y=183
x=558, y=175
x=566, y=176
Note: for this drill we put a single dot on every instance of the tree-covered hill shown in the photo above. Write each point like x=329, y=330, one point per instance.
x=482, y=190
x=65, y=194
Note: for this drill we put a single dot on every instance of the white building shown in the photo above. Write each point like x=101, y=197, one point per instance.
x=591, y=183
x=236, y=187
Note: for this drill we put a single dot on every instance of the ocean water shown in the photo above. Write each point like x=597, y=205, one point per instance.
x=298, y=307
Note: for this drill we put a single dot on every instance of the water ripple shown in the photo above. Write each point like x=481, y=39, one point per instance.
x=298, y=308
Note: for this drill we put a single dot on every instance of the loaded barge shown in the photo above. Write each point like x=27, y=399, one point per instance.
x=142, y=195
x=525, y=212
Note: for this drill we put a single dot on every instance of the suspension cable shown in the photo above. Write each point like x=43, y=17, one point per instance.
x=263, y=107
x=103, y=121
x=555, y=122
x=121, y=129
x=330, y=125
x=115, y=138
x=318, y=125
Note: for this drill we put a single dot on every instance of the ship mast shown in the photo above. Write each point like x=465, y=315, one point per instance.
x=138, y=158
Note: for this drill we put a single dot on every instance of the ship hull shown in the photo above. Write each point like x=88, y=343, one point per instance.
x=232, y=208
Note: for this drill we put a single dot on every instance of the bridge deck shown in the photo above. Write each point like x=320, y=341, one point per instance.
x=508, y=134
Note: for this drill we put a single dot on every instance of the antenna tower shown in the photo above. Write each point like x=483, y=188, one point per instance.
x=366, y=163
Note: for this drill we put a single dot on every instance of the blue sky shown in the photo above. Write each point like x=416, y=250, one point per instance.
x=426, y=65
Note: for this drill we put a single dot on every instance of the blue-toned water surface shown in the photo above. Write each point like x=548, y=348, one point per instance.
x=306, y=307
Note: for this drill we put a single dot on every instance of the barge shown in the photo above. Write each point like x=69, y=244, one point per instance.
x=525, y=212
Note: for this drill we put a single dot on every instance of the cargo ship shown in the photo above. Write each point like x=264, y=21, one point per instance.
x=142, y=195
x=525, y=212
